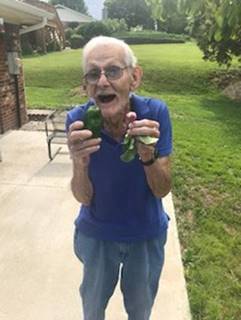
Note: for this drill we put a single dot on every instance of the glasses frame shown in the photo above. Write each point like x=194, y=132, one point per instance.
x=103, y=71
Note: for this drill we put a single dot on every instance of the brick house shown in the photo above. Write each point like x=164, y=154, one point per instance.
x=16, y=17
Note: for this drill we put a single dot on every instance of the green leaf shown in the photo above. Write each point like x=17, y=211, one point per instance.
x=219, y=19
x=129, y=146
x=129, y=149
x=218, y=35
x=128, y=155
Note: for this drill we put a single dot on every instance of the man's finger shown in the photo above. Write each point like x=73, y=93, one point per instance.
x=83, y=134
x=144, y=131
x=77, y=125
x=144, y=123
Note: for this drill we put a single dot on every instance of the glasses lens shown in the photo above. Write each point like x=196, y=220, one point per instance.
x=93, y=75
x=113, y=72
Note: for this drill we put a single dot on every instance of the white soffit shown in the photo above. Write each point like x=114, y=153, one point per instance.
x=20, y=13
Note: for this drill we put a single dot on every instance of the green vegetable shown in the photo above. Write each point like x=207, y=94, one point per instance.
x=129, y=146
x=129, y=149
x=93, y=120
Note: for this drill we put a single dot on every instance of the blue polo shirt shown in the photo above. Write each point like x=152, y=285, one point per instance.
x=123, y=207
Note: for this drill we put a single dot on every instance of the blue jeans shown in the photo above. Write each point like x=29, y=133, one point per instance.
x=141, y=264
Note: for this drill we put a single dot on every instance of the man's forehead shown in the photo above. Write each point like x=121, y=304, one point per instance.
x=104, y=52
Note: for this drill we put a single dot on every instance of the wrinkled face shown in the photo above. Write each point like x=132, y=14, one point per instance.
x=111, y=95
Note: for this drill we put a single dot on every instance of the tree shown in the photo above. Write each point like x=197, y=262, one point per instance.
x=167, y=15
x=156, y=8
x=135, y=12
x=78, y=5
x=217, y=27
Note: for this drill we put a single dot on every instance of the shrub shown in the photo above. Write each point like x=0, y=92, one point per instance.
x=67, y=43
x=116, y=25
x=73, y=25
x=26, y=47
x=53, y=45
x=76, y=41
x=68, y=33
x=93, y=29
x=144, y=37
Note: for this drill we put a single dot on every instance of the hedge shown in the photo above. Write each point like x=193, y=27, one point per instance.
x=150, y=37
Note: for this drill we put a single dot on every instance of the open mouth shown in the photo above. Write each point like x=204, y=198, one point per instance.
x=105, y=98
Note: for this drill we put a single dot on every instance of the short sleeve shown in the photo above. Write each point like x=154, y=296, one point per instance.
x=164, y=144
x=75, y=114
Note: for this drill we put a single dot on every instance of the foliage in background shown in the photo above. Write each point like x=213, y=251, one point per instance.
x=93, y=29
x=76, y=38
x=167, y=15
x=116, y=25
x=156, y=10
x=217, y=27
x=135, y=12
x=162, y=15
x=68, y=33
x=149, y=36
x=76, y=41
x=77, y=5
x=26, y=46
x=173, y=19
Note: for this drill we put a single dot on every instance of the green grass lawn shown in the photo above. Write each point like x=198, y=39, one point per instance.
x=206, y=162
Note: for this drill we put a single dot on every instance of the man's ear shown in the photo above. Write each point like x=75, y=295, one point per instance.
x=136, y=78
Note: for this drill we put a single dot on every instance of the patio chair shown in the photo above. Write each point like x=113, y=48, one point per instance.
x=55, y=130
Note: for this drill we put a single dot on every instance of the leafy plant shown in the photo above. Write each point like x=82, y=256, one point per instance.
x=116, y=25
x=135, y=12
x=68, y=33
x=217, y=27
x=93, y=29
x=129, y=146
x=76, y=41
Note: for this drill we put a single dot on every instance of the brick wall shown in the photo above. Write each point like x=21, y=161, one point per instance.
x=10, y=41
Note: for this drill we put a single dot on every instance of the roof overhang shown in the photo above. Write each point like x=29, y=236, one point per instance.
x=20, y=13
x=68, y=15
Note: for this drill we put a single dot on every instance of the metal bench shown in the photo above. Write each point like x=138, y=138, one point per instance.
x=55, y=130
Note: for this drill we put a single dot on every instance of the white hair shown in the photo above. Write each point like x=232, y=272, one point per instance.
x=130, y=58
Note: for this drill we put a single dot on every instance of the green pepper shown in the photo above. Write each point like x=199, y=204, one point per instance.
x=93, y=120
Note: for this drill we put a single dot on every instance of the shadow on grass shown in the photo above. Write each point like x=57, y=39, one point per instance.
x=228, y=113
x=182, y=81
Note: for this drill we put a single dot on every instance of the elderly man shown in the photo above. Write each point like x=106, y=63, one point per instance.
x=121, y=226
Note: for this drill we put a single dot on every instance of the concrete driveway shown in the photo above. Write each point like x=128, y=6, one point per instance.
x=39, y=274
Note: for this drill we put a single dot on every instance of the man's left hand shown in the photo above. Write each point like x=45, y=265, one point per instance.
x=144, y=127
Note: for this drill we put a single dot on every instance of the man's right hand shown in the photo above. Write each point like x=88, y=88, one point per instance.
x=80, y=143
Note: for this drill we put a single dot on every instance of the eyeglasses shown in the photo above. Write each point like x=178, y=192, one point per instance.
x=111, y=73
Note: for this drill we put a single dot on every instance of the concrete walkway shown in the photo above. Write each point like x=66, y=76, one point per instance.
x=39, y=274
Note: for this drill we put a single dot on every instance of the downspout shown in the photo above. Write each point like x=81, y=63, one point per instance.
x=1, y=122
x=35, y=27
x=17, y=100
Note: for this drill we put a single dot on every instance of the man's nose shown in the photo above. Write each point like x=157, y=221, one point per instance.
x=103, y=80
